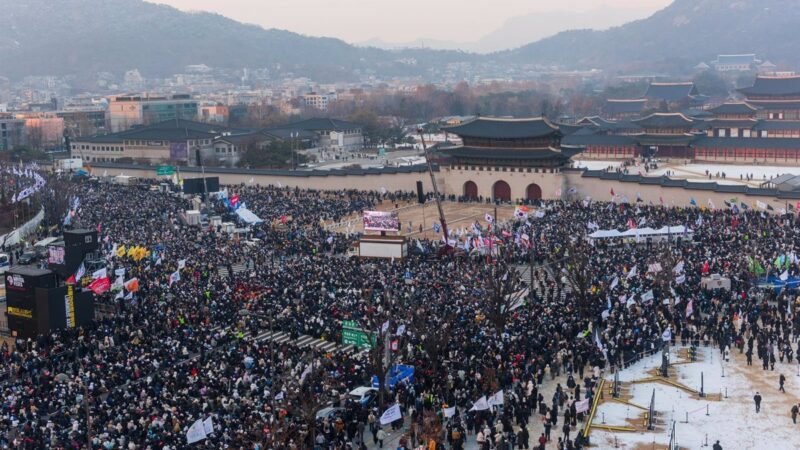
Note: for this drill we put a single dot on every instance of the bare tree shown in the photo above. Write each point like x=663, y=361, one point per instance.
x=505, y=293
x=578, y=272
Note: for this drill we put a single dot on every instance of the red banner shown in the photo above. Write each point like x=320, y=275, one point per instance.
x=100, y=285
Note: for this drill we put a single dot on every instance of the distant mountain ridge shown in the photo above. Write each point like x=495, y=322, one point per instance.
x=82, y=37
x=62, y=37
x=523, y=29
x=687, y=31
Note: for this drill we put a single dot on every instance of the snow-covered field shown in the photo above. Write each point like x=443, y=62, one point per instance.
x=697, y=172
x=596, y=165
x=733, y=420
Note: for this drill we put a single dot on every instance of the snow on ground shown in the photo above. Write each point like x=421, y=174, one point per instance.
x=733, y=420
x=697, y=172
x=596, y=165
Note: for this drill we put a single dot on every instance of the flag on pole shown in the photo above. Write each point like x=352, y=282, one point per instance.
x=489, y=218
x=100, y=285
x=666, y=335
x=690, y=308
x=174, y=277
x=450, y=412
x=102, y=273
x=481, y=405
x=631, y=274
x=208, y=426
x=81, y=271
x=391, y=414
x=196, y=432
x=496, y=399
x=181, y=264
x=132, y=285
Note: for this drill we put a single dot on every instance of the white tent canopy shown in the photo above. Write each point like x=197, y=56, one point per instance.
x=247, y=216
x=641, y=232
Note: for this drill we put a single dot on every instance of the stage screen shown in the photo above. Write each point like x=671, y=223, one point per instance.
x=381, y=221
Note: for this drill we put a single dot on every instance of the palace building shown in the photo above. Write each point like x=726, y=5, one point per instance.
x=762, y=129
x=503, y=159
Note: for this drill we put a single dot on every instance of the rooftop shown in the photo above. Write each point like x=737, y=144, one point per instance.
x=617, y=106
x=670, y=91
x=170, y=130
x=321, y=124
x=737, y=108
x=504, y=153
x=773, y=86
x=490, y=127
x=665, y=120
x=736, y=59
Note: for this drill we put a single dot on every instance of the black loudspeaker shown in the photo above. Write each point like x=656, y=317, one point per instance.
x=420, y=194
x=197, y=157
x=195, y=185
x=86, y=239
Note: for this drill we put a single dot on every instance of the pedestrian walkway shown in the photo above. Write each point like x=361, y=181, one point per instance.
x=535, y=424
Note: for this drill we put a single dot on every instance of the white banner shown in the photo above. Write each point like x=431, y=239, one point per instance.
x=496, y=399
x=391, y=414
x=582, y=406
x=208, y=426
x=481, y=405
x=196, y=432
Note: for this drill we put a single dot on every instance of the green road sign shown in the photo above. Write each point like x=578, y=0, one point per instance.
x=353, y=335
x=164, y=170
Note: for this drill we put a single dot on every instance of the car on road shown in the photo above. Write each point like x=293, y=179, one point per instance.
x=363, y=395
x=28, y=258
x=329, y=413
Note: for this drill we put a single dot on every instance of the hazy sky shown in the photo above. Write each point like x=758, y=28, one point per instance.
x=393, y=20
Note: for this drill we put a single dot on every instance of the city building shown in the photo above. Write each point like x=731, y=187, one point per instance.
x=126, y=111
x=318, y=101
x=44, y=131
x=12, y=132
x=84, y=121
x=503, y=159
x=331, y=135
x=214, y=113
x=170, y=142
x=735, y=63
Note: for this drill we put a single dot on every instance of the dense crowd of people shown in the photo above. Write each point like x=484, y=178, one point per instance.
x=471, y=322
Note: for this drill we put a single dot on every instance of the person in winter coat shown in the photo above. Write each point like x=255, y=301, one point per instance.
x=381, y=436
x=717, y=446
x=522, y=438
x=795, y=410
x=757, y=400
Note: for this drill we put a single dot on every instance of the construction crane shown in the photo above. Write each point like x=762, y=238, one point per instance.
x=445, y=234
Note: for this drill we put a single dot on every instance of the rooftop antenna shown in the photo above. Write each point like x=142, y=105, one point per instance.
x=446, y=248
